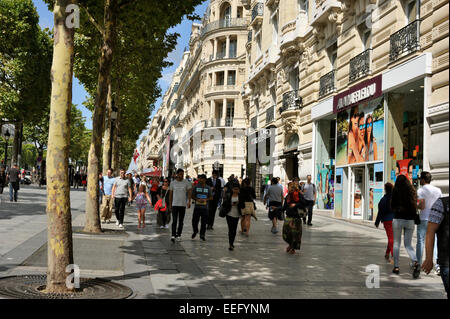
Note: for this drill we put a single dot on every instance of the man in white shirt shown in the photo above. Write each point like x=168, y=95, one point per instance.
x=426, y=196
x=180, y=193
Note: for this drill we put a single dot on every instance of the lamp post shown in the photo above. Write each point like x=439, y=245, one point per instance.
x=113, y=122
x=7, y=135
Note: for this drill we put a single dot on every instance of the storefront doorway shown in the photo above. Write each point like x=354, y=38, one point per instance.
x=357, y=192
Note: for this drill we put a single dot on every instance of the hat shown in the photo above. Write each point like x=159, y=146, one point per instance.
x=202, y=176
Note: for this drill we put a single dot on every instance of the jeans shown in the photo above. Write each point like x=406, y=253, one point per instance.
x=178, y=213
x=232, y=223
x=390, y=235
x=408, y=226
x=13, y=186
x=120, y=203
x=200, y=213
x=212, y=211
x=310, y=210
x=420, y=246
x=444, y=276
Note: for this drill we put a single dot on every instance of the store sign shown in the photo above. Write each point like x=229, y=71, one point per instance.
x=365, y=90
x=263, y=134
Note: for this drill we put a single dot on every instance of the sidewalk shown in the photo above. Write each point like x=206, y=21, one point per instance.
x=331, y=264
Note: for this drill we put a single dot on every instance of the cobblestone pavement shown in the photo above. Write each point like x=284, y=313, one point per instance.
x=331, y=263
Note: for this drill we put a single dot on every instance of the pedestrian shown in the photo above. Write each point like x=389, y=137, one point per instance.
x=101, y=190
x=232, y=206
x=154, y=190
x=386, y=215
x=142, y=198
x=274, y=200
x=133, y=188
x=121, y=193
x=427, y=196
x=216, y=187
x=84, y=181
x=438, y=225
x=13, y=178
x=137, y=182
x=2, y=178
x=161, y=206
x=292, y=227
x=248, y=206
x=202, y=194
x=77, y=179
x=404, y=205
x=107, y=202
x=310, y=193
x=179, y=197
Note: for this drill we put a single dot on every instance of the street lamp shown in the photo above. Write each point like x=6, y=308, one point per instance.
x=7, y=135
x=114, y=110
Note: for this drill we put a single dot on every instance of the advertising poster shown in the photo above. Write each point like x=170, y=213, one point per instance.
x=360, y=133
x=325, y=186
x=375, y=191
x=405, y=167
x=338, y=192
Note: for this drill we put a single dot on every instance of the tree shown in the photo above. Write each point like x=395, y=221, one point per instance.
x=25, y=61
x=107, y=21
x=60, y=247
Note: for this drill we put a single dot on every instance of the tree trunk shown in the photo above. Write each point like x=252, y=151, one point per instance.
x=116, y=132
x=16, y=140
x=60, y=249
x=104, y=78
x=107, y=134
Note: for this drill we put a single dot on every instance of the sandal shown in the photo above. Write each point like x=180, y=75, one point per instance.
x=292, y=251
x=288, y=249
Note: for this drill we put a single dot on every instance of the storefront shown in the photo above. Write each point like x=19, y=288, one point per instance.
x=367, y=136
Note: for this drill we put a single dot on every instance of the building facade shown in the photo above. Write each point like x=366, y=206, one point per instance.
x=352, y=92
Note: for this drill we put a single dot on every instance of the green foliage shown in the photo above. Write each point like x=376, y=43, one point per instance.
x=25, y=62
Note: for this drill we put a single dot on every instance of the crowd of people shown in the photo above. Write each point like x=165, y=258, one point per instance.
x=398, y=212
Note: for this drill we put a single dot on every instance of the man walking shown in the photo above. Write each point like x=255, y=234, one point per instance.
x=14, y=179
x=426, y=196
x=2, y=178
x=310, y=194
x=180, y=192
x=216, y=186
x=107, y=203
x=274, y=199
x=438, y=225
x=121, y=193
x=201, y=193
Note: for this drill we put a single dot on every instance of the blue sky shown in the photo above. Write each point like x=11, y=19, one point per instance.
x=78, y=92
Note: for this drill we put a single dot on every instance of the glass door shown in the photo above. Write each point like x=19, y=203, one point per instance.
x=357, y=193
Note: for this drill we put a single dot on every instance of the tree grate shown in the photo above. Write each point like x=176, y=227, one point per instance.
x=32, y=286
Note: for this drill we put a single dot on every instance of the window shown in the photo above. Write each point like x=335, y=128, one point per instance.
x=220, y=78
x=332, y=54
x=273, y=96
x=294, y=79
x=240, y=11
x=303, y=5
x=233, y=48
x=258, y=45
x=275, y=29
x=219, y=149
x=412, y=11
x=230, y=109
x=364, y=34
x=231, y=78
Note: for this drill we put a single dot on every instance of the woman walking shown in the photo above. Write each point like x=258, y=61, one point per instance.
x=404, y=205
x=161, y=207
x=231, y=205
x=247, y=206
x=386, y=215
x=154, y=189
x=141, y=202
x=292, y=228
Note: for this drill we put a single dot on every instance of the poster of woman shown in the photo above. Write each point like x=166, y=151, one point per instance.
x=360, y=133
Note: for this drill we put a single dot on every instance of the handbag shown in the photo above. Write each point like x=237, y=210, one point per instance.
x=222, y=212
x=417, y=219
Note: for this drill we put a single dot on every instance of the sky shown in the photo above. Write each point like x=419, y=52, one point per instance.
x=78, y=92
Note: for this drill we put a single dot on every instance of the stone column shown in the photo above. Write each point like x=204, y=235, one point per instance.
x=227, y=47
x=224, y=109
x=215, y=49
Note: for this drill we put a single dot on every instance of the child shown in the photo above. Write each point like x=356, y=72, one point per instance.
x=141, y=202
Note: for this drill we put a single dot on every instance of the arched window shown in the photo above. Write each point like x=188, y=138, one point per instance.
x=225, y=13
x=292, y=142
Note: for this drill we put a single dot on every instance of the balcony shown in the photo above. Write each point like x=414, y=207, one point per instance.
x=327, y=84
x=291, y=101
x=360, y=65
x=257, y=13
x=224, y=23
x=270, y=114
x=405, y=41
x=222, y=88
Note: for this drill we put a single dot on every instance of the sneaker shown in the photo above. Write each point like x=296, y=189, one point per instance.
x=203, y=238
x=162, y=227
x=273, y=230
x=416, y=271
x=117, y=223
x=230, y=248
x=173, y=239
x=166, y=227
x=108, y=221
x=120, y=226
x=437, y=270
x=309, y=224
x=178, y=238
x=193, y=235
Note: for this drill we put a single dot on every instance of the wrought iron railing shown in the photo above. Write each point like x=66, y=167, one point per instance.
x=291, y=100
x=224, y=23
x=270, y=114
x=405, y=40
x=258, y=10
x=327, y=83
x=360, y=65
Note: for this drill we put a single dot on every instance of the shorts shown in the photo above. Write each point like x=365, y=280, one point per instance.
x=275, y=213
x=141, y=206
x=249, y=209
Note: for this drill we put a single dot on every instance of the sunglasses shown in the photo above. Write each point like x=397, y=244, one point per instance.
x=362, y=126
x=166, y=181
x=369, y=125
